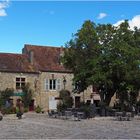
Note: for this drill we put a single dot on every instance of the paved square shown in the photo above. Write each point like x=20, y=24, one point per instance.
x=39, y=126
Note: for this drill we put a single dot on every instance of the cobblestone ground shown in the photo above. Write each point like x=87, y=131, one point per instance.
x=39, y=126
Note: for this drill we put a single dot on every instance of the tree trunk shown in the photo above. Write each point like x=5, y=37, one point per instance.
x=109, y=96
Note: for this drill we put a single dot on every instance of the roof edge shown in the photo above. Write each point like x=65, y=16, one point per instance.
x=19, y=72
x=31, y=45
x=56, y=71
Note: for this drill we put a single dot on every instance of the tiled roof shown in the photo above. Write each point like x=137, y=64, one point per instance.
x=46, y=58
x=15, y=63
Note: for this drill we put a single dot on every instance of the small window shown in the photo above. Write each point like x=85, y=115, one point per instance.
x=20, y=82
x=52, y=84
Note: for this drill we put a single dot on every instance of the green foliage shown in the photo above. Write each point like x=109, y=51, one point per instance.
x=138, y=103
x=66, y=100
x=38, y=109
x=5, y=95
x=105, y=56
x=28, y=95
x=26, y=109
x=102, y=104
x=61, y=107
x=8, y=110
x=86, y=109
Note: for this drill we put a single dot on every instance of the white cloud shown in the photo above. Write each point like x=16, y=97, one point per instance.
x=118, y=23
x=134, y=22
x=3, y=6
x=2, y=13
x=102, y=15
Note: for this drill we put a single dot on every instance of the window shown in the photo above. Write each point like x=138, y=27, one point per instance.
x=20, y=82
x=52, y=84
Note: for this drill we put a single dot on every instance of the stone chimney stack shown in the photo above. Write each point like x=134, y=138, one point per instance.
x=31, y=57
x=61, y=54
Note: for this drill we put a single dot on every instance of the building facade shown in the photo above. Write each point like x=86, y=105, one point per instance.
x=40, y=66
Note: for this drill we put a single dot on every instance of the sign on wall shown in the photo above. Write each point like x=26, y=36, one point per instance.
x=19, y=94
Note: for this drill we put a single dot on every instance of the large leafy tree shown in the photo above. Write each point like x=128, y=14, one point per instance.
x=120, y=60
x=80, y=50
x=105, y=56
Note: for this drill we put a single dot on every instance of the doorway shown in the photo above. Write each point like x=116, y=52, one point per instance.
x=77, y=102
x=31, y=105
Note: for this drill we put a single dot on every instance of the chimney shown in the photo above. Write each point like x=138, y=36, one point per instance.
x=24, y=50
x=61, y=54
x=31, y=57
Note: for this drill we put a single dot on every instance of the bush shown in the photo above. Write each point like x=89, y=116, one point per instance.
x=5, y=95
x=26, y=109
x=38, y=109
x=61, y=107
x=28, y=95
x=138, y=103
x=86, y=109
x=66, y=100
x=8, y=110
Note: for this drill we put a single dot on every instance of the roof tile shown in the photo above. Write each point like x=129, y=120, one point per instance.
x=45, y=58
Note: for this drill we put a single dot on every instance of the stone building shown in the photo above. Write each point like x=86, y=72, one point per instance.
x=39, y=66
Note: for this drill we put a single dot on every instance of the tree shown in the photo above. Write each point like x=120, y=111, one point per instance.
x=105, y=56
x=28, y=95
x=5, y=95
x=80, y=50
x=66, y=100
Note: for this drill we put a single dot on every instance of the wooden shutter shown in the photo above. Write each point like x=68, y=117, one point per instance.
x=46, y=84
x=58, y=84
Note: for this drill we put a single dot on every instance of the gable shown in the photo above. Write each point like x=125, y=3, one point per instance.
x=46, y=58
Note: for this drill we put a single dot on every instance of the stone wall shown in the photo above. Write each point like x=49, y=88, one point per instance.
x=8, y=80
x=44, y=94
x=37, y=84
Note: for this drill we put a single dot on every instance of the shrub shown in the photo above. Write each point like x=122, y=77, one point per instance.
x=60, y=107
x=5, y=95
x=38, y=109
x=8, y=110
x=26, y=109
x=138, y=103
x=66, y=100
x=28, y=95
x=86, y=109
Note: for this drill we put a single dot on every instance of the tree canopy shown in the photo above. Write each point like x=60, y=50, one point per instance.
x=105, y=56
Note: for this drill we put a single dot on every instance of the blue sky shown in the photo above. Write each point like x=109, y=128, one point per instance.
x=52, y=23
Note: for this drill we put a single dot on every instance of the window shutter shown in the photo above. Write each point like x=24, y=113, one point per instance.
x=58, y=84
x=47, y=84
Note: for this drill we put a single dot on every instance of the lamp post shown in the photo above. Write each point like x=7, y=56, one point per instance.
x=64, y=81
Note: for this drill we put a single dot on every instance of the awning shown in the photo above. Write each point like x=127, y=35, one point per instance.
x=19, y=94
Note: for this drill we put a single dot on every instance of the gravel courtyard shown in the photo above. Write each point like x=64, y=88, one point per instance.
x=39, y=126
